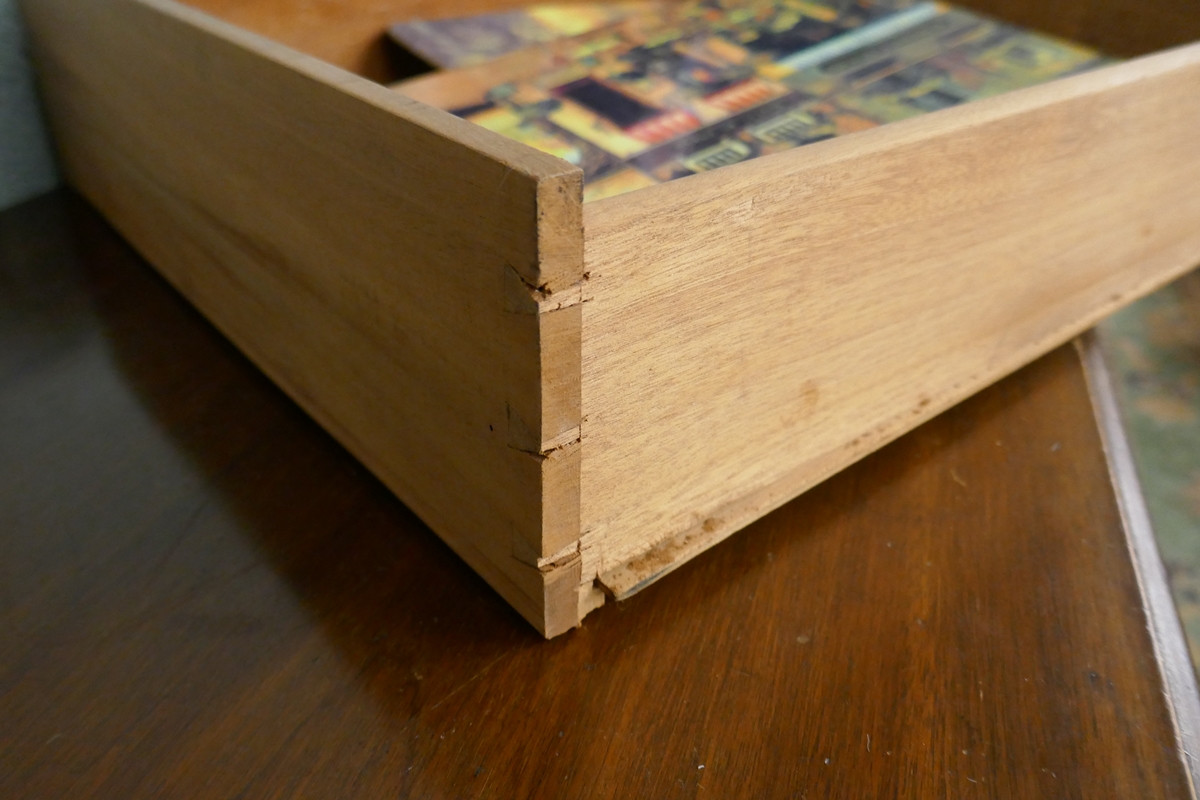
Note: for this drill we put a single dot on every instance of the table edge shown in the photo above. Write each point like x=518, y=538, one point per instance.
x=1162, y=619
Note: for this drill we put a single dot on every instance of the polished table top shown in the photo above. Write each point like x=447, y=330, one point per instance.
x=202, y=595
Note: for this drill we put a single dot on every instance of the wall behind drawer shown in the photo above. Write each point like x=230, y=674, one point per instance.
x=26, y=160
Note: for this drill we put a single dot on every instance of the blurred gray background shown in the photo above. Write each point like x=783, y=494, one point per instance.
x=26, y=159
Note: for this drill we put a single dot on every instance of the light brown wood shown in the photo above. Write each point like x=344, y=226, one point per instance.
x=1118, y=27
x=202, y=597
x=750, y=331
x=574, y=423
x=407, y=277
x=348, y=33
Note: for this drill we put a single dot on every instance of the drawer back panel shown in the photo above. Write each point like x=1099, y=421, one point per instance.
x=347, y=33
x=1124, y=28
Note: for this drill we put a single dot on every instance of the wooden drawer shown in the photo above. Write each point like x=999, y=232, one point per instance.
x=580, y=398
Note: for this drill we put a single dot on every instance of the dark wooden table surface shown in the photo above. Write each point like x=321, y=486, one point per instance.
x=203, y=596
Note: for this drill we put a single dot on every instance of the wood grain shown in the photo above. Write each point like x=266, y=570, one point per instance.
x=1118, y=27
x=419, y=284
x=406, y=276
x=750, y=331
x=202, y=595
x=348, y=33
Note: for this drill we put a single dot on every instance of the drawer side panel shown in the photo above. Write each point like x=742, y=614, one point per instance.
x=362, y=251
x=750, y=331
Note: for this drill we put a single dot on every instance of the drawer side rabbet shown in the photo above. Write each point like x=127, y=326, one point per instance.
x=410, y=279
x=751, y=331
